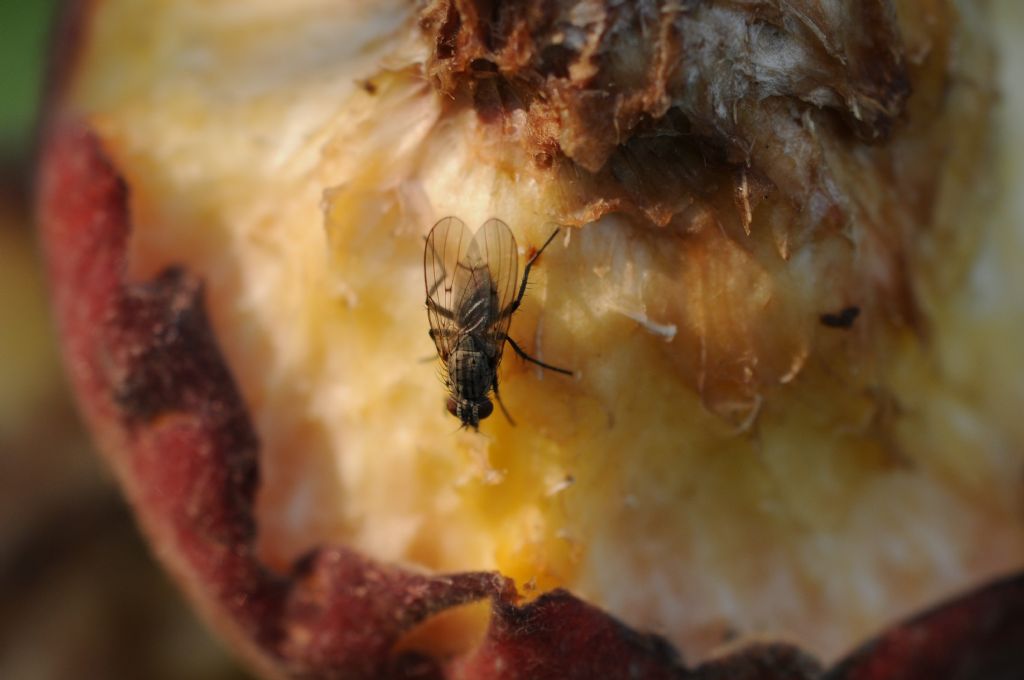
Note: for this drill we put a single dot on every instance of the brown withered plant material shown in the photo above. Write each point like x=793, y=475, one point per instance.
x=733, y=78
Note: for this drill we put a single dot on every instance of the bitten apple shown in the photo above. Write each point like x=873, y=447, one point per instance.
x=787, y=291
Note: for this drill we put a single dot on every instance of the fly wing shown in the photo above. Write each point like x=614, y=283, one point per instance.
x=446, y=282
x=496, y=248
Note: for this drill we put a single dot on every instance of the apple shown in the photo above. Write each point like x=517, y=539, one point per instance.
x=786, y=288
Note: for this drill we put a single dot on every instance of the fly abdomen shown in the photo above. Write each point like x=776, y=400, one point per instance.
x=469, y=371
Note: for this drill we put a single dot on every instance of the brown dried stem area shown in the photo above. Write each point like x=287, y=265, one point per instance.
x=589, y=74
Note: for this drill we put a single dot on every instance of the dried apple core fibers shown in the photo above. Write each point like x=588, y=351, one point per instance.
x=722, y=463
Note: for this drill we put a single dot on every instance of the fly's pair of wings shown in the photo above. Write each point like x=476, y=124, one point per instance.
x=459, y=265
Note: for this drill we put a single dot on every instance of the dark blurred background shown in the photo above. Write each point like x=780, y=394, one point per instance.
x=80, y=596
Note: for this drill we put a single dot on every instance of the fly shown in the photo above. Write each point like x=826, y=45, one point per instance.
x=471, y=296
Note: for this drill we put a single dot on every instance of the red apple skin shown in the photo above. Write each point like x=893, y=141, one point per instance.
x=978, y=636
x=155, y=391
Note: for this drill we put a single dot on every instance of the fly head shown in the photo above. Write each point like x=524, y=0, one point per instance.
x=470, y=413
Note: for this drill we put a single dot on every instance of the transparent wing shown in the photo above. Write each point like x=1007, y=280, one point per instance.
x=446, y=282
x=495, y=247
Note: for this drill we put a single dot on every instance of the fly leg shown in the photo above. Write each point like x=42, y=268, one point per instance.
x=524, y=355
x=514, y=305
x=439, y=310
x=436, y=333
x=497, y=395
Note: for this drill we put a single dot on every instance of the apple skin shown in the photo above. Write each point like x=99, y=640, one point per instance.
x=163, y=407
x=977, y=636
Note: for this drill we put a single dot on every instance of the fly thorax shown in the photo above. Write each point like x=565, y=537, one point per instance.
x=477, y=310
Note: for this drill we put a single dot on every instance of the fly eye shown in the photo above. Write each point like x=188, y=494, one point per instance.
x=453, y=407
x=485, y=409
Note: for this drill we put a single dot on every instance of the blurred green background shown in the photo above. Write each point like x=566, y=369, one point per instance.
x=81, y=596
x=24, y=25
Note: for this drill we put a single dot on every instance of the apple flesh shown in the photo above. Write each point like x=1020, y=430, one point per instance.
x=154, y=389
